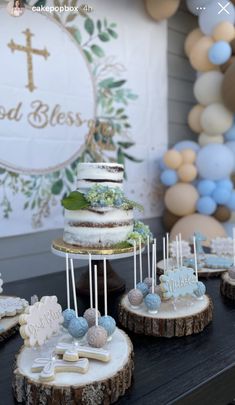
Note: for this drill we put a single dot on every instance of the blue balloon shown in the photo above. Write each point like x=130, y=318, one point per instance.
x=231, y=146
x=219, y=52
x=231, y=202
x=226, y=183
x=169, y=177
x=215, y=161
x=230, y=134
x=214, y=14
x=187, y=145
x=206, y=187
x=221, y=195
x=161, y=164
x=206, y=205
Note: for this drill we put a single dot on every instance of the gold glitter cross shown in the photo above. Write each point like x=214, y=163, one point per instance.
x=29, y=52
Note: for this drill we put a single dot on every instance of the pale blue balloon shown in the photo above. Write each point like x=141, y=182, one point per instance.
x=230, y=134
x=231, y=202
x=219, y=52
x=161, y=164
x=231, y=146
x=187, y=145
x=195, y=6
x=214, y=14
x=215, y=162
x=206, y=187
x=221, y=195
x=225, y=183
x=169, y=177
x=206, y=205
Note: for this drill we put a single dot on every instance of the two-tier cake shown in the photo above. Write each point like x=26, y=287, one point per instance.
x=98, y=214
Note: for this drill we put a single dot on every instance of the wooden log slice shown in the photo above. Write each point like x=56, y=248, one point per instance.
x=227, y=287
x=202, y=273
x=190, y=316
x=8, y=327
x=104, y=383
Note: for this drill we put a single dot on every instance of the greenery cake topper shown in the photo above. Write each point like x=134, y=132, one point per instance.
x=108, y=137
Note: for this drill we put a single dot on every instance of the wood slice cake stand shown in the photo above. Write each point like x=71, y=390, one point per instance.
x=202, y=273
x=104, y=383
x=8, y=327
x=191, y=316
x=227, y=287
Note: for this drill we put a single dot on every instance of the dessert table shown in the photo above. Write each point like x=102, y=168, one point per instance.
x=189, y=370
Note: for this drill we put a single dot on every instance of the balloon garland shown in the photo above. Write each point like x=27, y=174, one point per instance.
x=197, y=176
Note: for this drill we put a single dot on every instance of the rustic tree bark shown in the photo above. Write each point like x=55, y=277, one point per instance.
x=9, y=332
x=103, y=392
x=226, y=288
x=164, y=327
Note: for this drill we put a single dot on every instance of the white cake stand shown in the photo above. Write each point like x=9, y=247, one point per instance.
x=115, y=283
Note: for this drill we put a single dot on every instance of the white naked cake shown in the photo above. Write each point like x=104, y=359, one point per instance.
x=98, y=214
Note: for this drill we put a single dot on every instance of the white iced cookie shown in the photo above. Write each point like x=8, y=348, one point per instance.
x=47, y=368
x=40, y=321
x=11, y=306
x=72, y=352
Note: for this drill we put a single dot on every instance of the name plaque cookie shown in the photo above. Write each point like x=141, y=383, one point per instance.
x=40, y=321
x=176, y=283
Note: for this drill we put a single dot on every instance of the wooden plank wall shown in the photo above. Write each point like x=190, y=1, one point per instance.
x=29, y=255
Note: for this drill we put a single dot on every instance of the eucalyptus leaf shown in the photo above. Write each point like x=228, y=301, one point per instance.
x=57, y=187
x=133, y=159
x=69, y=175
x=103, y=36
x=119, y=83
x=89, y=26
x=97, y=50
x=99, y=25
x=88, y=56
x=112, y=33
x=2, y=171
x=126, y=145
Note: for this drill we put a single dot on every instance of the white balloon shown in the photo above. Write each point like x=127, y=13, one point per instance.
x=208, y=88
x=216, y=119
x=214, y=14
x=194, y=5
x=205, y=139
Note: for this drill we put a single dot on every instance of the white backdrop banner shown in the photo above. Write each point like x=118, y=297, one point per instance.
x=76, y=89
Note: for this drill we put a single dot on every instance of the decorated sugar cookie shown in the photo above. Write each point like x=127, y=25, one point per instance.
x=40, y=321
x=10, y=306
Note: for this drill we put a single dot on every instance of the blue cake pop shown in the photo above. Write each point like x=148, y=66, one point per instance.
x=200, y=290
x=78, y=327
x=143, y=287
x=152, y=302
x=68, y=314
x=108, y=323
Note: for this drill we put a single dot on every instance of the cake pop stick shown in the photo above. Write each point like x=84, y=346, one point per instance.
x=96, y=297
x=153, y=264
x=67, y=281
x=74, y=288
x=105, y=289
x=148, y=256
x=155, y=269
x=90, y=282
x=134, y=264
x=180, y=249
x=164, y=255
x=155, y=243
x=177, y=251
x=140, y=260
x=167, y=250
x=195, y=257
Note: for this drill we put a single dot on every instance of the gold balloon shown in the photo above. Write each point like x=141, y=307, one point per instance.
x=194, y=118
x=181, y=199
x=192, y=38
x=187, y=172
x=161, y=9
x=205, y=139
x=188, y=155
x=199, y=55
x=172, y=159
x=208, y=226
x=224, y=31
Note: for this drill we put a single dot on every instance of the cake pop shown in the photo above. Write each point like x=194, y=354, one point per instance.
x=143, y=287
x=68, y=314
x=78, y=326
x=135, y=296
x=89, y=314
x=152, y=300
x=108, y=323
x=200, y=290
x=96, y=335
